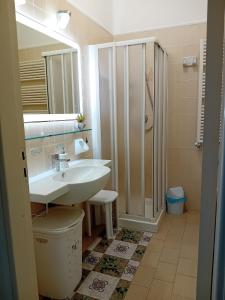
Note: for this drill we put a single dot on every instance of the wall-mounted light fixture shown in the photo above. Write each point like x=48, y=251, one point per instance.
x=63, y=18
x=20, y=2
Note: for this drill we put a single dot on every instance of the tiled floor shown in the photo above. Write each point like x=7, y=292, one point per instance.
x=168, y=269
x=139, y=266
x=109, y=269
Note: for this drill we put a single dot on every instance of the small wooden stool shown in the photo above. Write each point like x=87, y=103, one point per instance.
x=106, y=198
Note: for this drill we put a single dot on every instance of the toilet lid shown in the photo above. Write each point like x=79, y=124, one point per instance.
x=58, y=218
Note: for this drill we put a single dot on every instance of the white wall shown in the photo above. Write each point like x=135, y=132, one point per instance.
x=140, y=15
x=124, y=16
x=101, y=11
x=28, y=38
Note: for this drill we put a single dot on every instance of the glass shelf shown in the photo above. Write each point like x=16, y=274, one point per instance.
x=56, y=134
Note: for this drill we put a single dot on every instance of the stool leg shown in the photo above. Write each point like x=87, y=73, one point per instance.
x=98, y=214
x=88, y=211
x=117, y=215
x=109, y=223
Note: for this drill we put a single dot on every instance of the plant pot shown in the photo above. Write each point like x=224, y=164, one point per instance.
x=81, y=125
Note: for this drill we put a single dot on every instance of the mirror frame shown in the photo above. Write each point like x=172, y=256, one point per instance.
x=20, y=18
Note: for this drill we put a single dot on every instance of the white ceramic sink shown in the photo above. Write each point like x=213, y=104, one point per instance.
x=81, y=181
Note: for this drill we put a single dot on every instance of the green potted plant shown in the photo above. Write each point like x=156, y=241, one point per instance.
x=81, y=121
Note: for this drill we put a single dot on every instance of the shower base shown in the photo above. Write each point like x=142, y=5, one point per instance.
x=146, y=223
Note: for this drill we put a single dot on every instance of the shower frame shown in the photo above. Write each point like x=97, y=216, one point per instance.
x=126, y=219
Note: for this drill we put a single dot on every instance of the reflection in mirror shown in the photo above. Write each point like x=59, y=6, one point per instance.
x=48, y=73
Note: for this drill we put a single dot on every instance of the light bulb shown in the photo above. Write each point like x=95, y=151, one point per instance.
x=63, y=18
x=20, y=2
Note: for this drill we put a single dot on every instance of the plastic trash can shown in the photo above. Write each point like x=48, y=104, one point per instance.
x=175, y=200
x=58, y=251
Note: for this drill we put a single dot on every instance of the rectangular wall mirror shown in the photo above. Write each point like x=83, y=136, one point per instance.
x=49, y=74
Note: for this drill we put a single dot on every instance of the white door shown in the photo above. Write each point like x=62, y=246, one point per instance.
x=14, y=186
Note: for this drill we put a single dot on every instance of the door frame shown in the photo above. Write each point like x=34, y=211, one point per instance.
x=8, y=288
x=16, y=222
x=215, y=35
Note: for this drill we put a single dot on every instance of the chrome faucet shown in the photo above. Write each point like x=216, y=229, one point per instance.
x=60, y=162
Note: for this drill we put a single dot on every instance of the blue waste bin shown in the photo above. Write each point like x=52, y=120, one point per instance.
x=175, y=200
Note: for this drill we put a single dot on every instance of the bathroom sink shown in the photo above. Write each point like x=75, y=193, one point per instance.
x=82, y=180
x=83, y=183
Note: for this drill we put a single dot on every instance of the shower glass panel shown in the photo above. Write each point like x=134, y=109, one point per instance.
x=75, y=81
x=68, y=87
x=131, y=92
x=122, y=138
x=149, y=129
x=63, y=82
x=135, y=108
x=106, y=94
x=55, y=95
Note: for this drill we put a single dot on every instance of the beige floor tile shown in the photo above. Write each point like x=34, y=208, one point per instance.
x=170, y=256
x=177, y=230
x=193, y=218
x=187, y=267
x=150, y=259
x=161, y=234
x=176, y=297
x=155, y=246
x=185, y=286
x=172, y=244
x=175, y=235
x=144, y=276
x=191, y=234
x=165, y=272
x=178, y=221
x=160, y=290
x=136, y=292
x=189, y=251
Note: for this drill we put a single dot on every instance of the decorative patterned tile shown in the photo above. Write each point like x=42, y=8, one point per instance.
x=91, y=260
x=139, y=253
x=103, y=245
x=99, y=286
x=85, y=274
x=121, y=249
x=145, y=239
x=130, y=236
x=109, y=269
x=82, y=297
x=121, y=290
x=130, y=270
x=111, y=265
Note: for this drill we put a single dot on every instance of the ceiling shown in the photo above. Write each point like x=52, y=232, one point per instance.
x=124, y=16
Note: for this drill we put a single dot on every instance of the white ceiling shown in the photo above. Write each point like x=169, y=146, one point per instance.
x=28, y=37
x=101, y=11
x=123, y=16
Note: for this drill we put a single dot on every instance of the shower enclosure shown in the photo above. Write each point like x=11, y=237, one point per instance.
x=129, y=104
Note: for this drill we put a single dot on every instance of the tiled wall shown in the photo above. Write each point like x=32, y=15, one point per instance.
x=184, y=160
x=40, y=151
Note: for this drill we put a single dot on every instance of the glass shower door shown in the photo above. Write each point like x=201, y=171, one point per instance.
x=131, y=83
x=136, y=119
x=130, y=75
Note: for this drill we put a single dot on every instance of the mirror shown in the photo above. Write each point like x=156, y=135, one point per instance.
x=49, y=74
